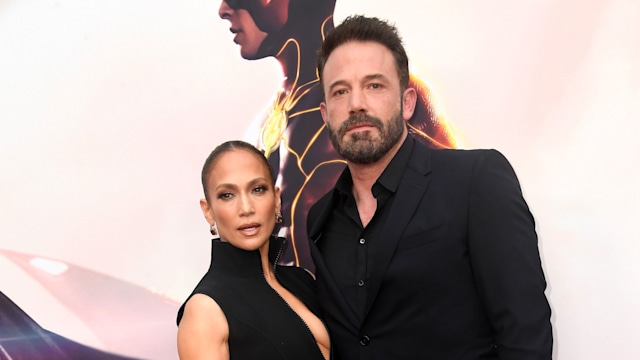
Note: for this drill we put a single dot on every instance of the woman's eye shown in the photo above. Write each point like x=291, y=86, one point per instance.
x=224, y=196
x=260, y=189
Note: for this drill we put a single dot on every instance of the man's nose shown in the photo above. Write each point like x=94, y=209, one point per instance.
x=225, y=10
x=357, y=103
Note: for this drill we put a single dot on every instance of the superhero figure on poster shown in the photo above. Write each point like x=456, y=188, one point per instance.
x=293, y=134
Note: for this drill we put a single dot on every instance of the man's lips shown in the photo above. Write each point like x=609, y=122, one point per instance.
x=363, y=126
x=237, y=33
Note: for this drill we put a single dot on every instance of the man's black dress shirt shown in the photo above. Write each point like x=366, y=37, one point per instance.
x=347, y=247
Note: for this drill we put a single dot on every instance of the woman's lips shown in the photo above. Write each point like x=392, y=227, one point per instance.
x=249, y=229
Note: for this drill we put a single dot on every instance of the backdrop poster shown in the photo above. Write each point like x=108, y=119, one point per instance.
x=108, y=110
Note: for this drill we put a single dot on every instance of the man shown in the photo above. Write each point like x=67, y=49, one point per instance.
x=419, y=253
x=293, y=135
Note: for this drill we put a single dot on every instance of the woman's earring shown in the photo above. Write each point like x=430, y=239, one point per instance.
x=279, y=217
x=214, y=229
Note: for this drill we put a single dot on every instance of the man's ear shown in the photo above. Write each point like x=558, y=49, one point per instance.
x=323, y=111
x=206, y=211
x=409, y=99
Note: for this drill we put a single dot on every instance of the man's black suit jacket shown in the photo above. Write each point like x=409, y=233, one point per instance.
x=457, y=274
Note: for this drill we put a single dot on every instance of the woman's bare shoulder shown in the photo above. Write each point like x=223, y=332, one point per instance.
x=203, y=331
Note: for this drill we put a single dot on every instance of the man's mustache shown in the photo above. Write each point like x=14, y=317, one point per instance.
x=360, y=119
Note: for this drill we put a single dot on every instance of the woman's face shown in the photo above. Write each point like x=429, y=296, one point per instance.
x=242, y=200
x=247, y=34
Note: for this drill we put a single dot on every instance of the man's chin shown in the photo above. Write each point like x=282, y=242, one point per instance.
x=365, y=137
x=250, y=54
x=363, y=153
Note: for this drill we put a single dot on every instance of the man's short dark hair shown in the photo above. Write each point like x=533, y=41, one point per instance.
x=362, y=28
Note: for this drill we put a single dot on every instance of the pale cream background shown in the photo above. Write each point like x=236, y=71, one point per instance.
x=109, y=108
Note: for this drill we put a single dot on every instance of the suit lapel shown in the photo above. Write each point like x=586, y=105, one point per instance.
x=315, y=222
x=413, y=185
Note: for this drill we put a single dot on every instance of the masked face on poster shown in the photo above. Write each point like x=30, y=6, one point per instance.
x=280, y=20
x=246, y=32
x=269, y=15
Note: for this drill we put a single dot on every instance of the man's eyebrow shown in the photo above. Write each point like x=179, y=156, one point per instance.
x=366, y=78
x=337, y=83
x=375, y=76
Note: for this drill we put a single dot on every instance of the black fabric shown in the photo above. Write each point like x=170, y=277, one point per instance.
x=261, y=323
x=347, y=246
x=456, y=273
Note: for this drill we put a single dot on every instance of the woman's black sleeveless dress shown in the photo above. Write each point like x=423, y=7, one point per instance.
x=261, y=323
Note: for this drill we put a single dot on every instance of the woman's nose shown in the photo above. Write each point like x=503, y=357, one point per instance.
x=246, y=205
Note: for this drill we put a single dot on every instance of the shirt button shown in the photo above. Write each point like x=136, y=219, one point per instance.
x=361, y=283
x=364, y=341
x=362, y=241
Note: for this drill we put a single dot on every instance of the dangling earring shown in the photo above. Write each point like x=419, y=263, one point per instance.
x=214, y=229
x=279, y=217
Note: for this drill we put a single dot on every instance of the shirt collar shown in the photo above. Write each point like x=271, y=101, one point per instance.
x=390, y=177
x=392, y=174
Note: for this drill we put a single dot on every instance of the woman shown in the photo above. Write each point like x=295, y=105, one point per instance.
x=245, y=306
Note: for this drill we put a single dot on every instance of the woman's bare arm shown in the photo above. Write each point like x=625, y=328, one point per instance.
x=203, y=332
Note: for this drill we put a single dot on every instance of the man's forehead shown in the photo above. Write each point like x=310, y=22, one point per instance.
x=368, y=59
x=361, y=51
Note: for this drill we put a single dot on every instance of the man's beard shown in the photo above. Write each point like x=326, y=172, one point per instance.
x=364, y=147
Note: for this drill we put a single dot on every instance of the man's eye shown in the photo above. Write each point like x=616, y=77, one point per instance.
x=340, y=92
